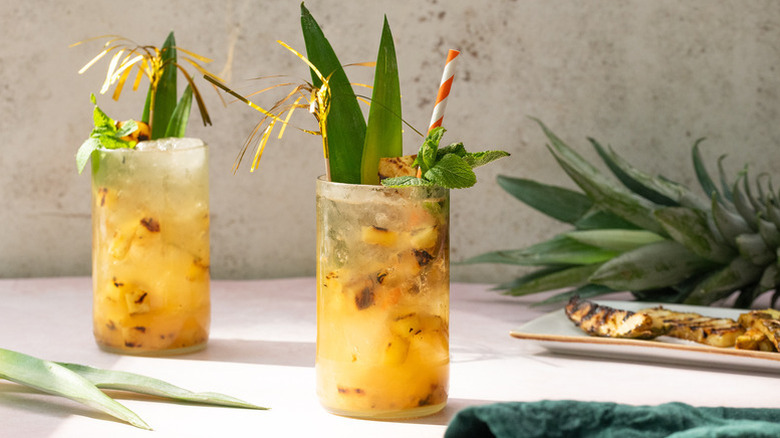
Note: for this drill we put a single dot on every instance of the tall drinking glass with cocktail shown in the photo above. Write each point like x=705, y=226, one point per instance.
x=150, y=212
x=382, y=236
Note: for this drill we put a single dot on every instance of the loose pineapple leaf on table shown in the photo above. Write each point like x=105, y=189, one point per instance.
x=55, y=379
x=81, y=383
x=121, y=380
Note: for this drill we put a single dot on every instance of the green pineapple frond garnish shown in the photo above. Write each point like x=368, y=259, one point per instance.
x=647, y=234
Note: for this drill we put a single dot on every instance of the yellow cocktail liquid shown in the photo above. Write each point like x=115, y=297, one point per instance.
x=382, y=300
x=150, y=225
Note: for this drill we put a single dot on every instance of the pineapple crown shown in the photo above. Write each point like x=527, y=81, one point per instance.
x=647, y=234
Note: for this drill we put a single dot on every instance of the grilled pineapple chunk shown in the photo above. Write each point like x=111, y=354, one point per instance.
x=764, y=328
x=606, y=321
x=716, y=332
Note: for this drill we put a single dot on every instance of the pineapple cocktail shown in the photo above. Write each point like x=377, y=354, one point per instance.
x=382, y=233
x=150, y=225
x=150, y=208
x=382, y=299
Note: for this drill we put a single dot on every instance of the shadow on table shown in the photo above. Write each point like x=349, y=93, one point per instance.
x=295, y=354
x=53, y=410
x=443, y=417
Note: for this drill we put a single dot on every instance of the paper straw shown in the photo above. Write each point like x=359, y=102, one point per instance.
x=444, y=89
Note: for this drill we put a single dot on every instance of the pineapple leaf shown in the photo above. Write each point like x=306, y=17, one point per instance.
x=725, y=186
x=541, y=272
x=597, y=218
x=164, y=96
x=655, y=189
x=689, y=227
x=615, y=239
x=346, y=127
x=557, y=202
x=653, y=266
x=574, y=276
x=585, y=291
x=384, y=130
x=600, y=190
x=743, y=205
x=560, y=250
x=757, y=205
x=724, y=282
x=753, y=248
x=729, y=224
x=769, y=233
x=773, y=211
x=181, y=115
x=706, y=183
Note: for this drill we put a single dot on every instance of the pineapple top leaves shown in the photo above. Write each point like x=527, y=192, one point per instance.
x=667, y=243
x=344, y=129
x=384, y=130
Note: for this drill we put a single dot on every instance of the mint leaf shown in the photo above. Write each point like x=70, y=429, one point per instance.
x=110, y=142
x=405, y=181
x=428, y=154
x=85, y=151
x=477, y=159
x=451, y=172
x=104, y=135
x=100, y=118
x=455, y=148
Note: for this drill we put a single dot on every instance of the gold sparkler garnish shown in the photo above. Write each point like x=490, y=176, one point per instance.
x=150, y=62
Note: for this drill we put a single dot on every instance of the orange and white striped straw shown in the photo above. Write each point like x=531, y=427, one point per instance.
x=444, y=89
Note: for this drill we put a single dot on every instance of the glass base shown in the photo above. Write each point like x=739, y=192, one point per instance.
x=166, y=352
x=422, y=411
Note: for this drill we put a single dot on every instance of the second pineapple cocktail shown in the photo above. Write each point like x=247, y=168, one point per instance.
x=150, y=225
x=382, y=299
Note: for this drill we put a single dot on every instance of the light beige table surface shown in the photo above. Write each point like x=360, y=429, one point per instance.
x=262, y=350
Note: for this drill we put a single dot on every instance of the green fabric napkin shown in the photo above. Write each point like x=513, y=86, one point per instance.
x=567, y=418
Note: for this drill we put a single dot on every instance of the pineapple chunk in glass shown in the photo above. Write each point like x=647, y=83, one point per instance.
x=150, y=222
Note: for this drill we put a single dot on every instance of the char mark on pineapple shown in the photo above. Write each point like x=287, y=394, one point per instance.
x=141, y=298
x=364, y=299
x=117, y=283
x=380, y=276
x=598, y=320
x=151, y=224
x=423, y=257
x=103, y=192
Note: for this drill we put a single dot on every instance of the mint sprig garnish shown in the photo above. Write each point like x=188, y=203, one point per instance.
x=105, y=134
x=450, y=167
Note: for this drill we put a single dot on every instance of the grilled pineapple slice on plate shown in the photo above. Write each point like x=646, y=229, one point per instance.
x=763, y=326
x=606, y=321
x=716, y=332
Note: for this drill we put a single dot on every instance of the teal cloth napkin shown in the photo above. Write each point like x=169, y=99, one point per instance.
x=567, y=418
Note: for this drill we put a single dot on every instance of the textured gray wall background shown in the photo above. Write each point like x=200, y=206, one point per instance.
x=647, y=77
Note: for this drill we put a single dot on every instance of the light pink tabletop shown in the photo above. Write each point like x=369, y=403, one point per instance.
x=262, y=350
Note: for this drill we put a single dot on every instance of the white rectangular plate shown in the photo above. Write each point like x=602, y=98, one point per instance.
x=557, y=334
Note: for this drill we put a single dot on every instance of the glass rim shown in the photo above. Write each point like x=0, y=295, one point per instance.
x=378, y=187
x=134, y=149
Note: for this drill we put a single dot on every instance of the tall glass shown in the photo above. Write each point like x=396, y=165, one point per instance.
x=150, y=247
x=382, y=300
